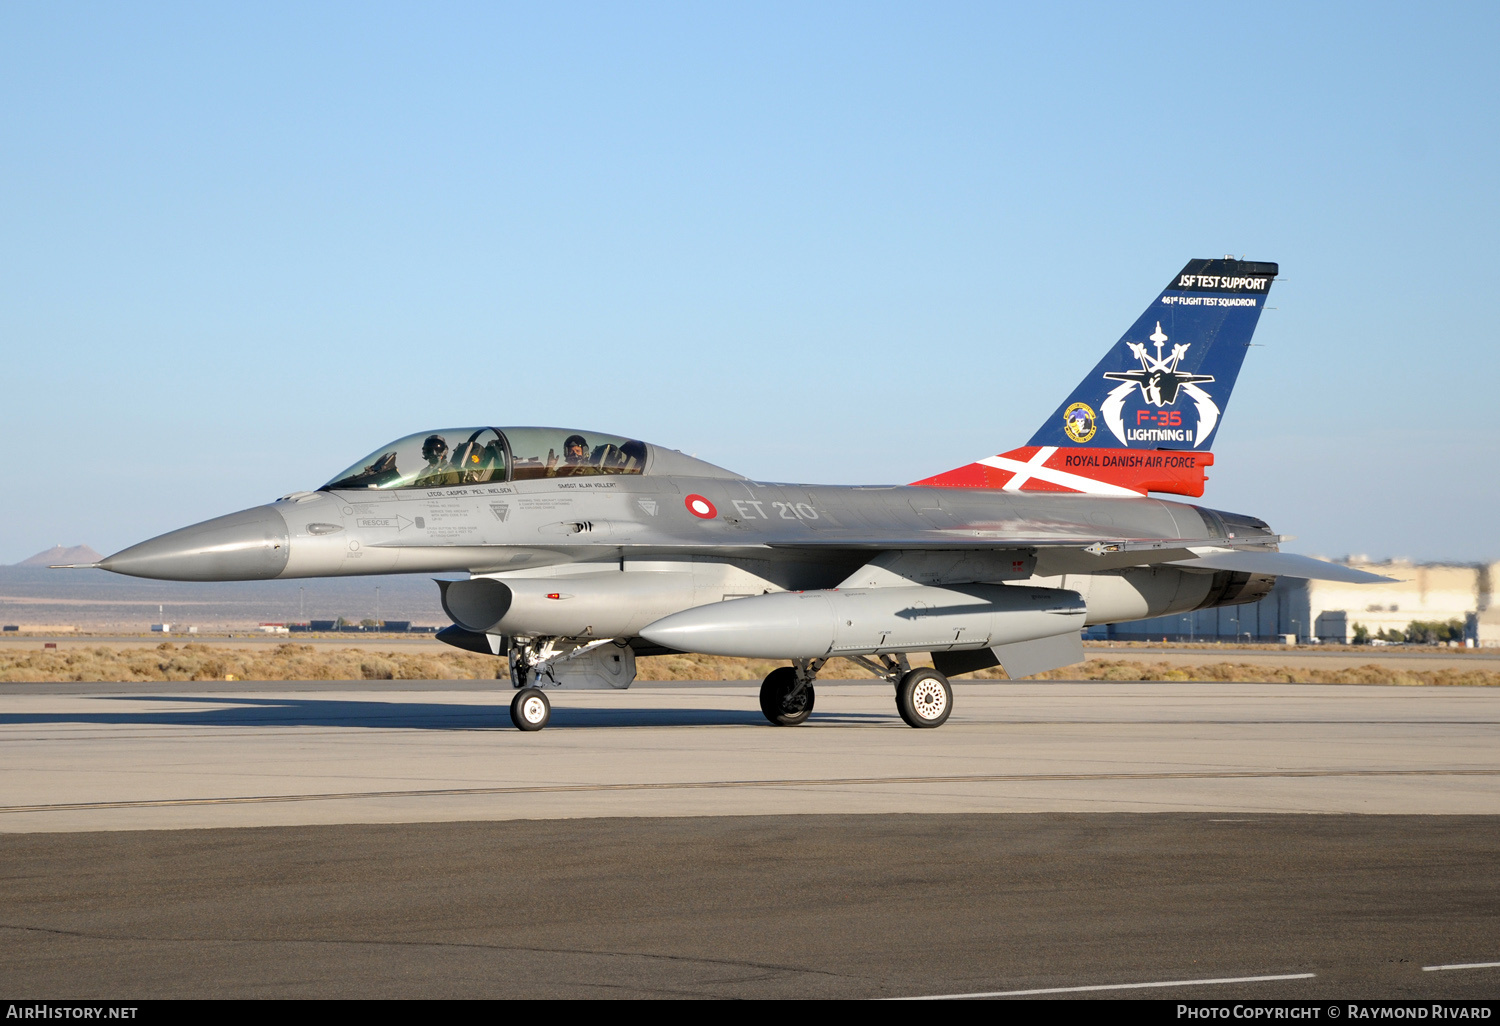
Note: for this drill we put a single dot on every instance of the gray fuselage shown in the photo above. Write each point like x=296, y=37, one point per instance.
x=605, y=555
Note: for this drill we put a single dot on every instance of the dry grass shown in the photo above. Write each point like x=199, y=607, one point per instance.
x=203, y=662
x=1129, y=669
x=194, y=661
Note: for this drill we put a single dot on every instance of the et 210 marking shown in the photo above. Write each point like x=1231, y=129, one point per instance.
x=750, y=509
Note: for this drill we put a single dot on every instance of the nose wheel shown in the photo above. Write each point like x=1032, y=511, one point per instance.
x=924, y=698
x=530, y=710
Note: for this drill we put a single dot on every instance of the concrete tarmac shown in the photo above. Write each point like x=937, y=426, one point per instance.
x=112, y=757
x=403, y=839
x=760, y=907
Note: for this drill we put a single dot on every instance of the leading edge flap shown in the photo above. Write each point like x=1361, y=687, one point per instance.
x=1166, y=383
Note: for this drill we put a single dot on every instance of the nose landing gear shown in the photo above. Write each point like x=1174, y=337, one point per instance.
x=530, y=710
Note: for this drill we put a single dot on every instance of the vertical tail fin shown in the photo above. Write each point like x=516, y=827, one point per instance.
x=1166, y=383
x=1163, y=386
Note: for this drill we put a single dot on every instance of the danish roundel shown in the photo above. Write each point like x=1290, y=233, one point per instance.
x=700, y=507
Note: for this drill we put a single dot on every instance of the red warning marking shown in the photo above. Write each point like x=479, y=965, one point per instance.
x=700, y=507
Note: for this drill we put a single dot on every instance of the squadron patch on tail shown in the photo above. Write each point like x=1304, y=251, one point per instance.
x=1079, y=422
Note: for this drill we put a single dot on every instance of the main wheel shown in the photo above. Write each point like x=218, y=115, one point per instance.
x=924, y=699
x=530, y=710
x=901, y=707
x=778, y=702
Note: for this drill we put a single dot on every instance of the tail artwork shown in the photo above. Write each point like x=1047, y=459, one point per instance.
x=1144, y=419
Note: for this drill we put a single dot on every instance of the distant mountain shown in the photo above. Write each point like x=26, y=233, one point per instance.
x=58, y=554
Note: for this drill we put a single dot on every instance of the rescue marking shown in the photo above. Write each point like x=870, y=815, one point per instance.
x=1106, y=986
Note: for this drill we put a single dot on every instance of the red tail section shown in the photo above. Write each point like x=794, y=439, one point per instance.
x=1047, y=468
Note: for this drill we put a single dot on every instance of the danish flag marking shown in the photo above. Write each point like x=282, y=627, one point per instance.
x=1035, y=468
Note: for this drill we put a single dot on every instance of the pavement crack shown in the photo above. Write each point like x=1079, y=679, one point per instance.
x=808, y=782
x=762, y=968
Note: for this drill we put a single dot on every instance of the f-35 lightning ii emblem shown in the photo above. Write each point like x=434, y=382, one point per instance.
x=1160, y=382
x=1158, y=377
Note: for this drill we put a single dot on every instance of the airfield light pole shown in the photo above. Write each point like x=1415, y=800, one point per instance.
x=377, y=605
x=301, y=604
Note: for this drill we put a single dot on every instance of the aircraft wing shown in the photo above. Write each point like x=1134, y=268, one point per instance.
x=1082, y=554
x=1245, y=555
x=1147, y=550
x=1282, y=564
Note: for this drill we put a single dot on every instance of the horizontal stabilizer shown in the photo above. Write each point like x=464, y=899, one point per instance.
x=1283, y=564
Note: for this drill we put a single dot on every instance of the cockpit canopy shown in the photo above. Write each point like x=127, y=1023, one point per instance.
x=473, y=455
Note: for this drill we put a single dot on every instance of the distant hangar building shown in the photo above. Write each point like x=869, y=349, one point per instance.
x=1327, y=611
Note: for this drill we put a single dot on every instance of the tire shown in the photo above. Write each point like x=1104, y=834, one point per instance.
x=924, y=698
x=774, y=692
x=901, y=709
x=530, y=710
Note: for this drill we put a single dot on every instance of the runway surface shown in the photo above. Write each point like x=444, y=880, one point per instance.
x=786, y=906
x=402, y=839
x=111, y=757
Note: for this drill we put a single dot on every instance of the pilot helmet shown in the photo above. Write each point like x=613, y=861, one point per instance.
x=571, y=441
x=434, y=447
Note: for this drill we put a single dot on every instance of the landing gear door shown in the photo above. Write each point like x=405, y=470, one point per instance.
x=606, y=668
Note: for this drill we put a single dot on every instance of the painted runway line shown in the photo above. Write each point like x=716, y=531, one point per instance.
x=1461, y=965
x=1109, y=986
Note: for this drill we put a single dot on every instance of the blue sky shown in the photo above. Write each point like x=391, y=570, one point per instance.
x=852, y=243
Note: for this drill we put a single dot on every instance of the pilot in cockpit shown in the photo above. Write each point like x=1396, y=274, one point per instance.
x=438, y=471
x=576, y=458
x=576, y=451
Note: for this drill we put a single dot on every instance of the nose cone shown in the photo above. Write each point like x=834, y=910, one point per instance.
x=251, y=545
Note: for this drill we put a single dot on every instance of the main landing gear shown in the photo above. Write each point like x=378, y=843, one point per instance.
x=786, y=695
x=924, y=698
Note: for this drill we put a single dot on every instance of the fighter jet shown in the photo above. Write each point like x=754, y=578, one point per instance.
x=585, y=549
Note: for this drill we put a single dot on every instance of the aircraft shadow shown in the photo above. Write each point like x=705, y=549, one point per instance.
x=315, y=712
